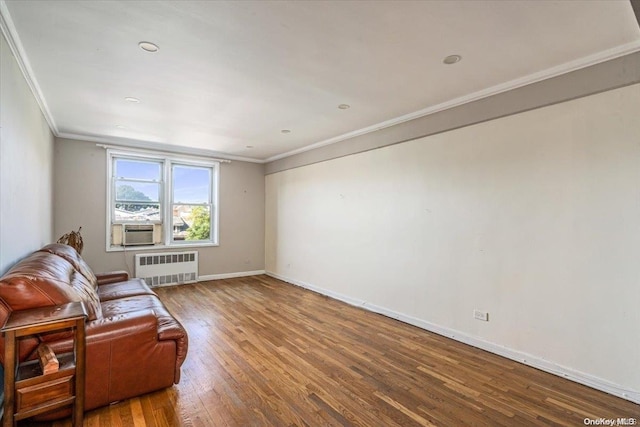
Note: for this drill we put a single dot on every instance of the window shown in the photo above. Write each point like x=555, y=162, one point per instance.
x=191, y=203
x=161, y=201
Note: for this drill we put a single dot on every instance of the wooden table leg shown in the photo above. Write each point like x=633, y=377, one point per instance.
x=78, y=408
x=9, y=377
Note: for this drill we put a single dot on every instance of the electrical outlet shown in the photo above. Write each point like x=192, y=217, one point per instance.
x=481, y=315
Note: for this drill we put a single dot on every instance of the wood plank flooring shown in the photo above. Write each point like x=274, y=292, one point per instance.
x=266, y=353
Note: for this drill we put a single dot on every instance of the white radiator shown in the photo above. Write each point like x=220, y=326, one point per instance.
x=167, y=268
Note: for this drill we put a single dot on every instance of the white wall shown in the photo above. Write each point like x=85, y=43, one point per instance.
x=534, y=218
x=26, y=166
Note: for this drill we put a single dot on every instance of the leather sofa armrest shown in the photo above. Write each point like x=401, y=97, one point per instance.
x=112, y=277
x=139, y=324
x=143, y=322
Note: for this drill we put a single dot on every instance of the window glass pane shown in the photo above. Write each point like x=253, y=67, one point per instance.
x=137, y=191
x=137, y=169
x=191, y=222
x=137, y=212
x=191, y=184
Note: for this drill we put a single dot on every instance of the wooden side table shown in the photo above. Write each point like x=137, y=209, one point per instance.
x=29, y=392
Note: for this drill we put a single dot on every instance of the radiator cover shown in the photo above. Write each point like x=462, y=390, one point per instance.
x=167, y=268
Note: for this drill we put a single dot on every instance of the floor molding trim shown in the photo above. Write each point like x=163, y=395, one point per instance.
x=518, y=356
x=229, y=275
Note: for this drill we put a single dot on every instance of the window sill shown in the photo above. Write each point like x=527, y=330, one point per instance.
x=160, y=247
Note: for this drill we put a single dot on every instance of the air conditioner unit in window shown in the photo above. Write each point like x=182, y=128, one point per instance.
x=137, y=234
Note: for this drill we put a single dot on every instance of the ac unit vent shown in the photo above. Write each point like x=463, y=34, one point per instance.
x=168, y=268
x=137, y=234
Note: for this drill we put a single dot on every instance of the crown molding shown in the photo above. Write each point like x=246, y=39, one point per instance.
x=125, y=143
x=13, y=40
x=549, y=73
x=11, y=35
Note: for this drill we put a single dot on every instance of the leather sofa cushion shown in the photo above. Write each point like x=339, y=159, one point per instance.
x=88, y=294
x=128, y=288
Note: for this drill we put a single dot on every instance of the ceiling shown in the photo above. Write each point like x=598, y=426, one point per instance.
x=229, y=77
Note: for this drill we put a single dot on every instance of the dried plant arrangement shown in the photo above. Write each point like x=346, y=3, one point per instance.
x=73, y=239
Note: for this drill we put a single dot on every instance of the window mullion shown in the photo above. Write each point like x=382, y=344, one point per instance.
x=167, y=224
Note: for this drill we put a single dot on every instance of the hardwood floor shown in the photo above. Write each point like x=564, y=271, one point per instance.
x=266, y=353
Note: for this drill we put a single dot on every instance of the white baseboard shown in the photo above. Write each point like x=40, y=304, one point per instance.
x=518, y=356
x=230, y=275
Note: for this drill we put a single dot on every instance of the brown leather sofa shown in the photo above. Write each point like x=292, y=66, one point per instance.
x=133, y=346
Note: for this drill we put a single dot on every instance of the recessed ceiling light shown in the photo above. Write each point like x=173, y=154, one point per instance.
x=148, y=46
x=452, y=59
x=285, y=131
x=132, y=99
x=344, y=106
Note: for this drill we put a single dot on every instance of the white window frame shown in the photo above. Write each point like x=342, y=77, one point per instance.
x=114, y=179
x=166, y=198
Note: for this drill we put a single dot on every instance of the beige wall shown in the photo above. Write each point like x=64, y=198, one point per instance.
x=533, y=218
x=80, y=188
x=26, y=166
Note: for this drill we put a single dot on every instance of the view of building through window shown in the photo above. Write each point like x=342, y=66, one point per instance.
x=191, y=222
x=138, y=186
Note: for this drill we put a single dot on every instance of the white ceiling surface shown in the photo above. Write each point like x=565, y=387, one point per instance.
x=234, y=74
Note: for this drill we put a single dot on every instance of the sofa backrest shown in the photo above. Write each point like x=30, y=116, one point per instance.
x=71, y=255
x=48, y=277
x=45, y=279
